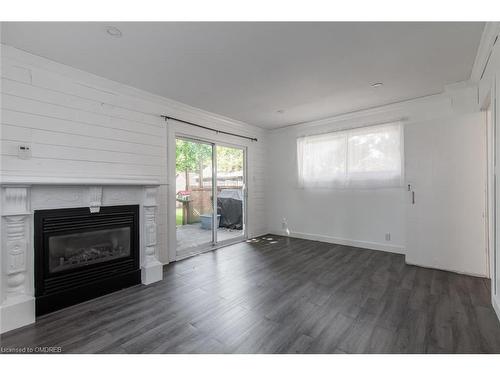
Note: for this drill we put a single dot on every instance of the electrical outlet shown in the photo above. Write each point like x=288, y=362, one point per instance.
x=24, y=151
x=387, y=236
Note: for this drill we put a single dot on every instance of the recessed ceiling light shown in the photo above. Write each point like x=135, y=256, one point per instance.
x=377, y=84
x=113, y=31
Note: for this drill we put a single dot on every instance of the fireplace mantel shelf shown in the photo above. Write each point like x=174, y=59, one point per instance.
x=29, y=180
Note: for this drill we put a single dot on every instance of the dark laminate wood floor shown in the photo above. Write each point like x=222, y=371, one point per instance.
x=281, y=296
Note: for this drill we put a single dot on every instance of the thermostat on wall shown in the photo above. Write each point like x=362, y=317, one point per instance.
x=24, y=151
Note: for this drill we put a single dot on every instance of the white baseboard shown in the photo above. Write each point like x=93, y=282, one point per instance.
x=368, y=245
x=444, y=268
x=17, y=312
x=496, y=305
x=151, y=273
x=259, y=234
x=343, y=241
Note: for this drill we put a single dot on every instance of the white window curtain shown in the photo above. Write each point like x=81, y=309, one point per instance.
x=365, y=157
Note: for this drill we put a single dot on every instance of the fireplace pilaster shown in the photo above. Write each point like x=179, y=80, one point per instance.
x=17, y=303
x=152, y=269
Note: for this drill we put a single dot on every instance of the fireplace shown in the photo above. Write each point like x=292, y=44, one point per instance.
x=81, y=255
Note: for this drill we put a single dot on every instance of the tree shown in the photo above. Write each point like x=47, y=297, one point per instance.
x=229, y=159
x=192, y=156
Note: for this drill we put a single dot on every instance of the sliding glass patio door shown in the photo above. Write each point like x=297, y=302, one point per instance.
x=194, y=191
x=210, y=178
x=230, y=183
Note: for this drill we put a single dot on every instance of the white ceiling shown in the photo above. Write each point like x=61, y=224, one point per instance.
x=250, y=71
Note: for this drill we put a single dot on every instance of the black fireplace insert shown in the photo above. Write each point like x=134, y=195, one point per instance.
x=81, y=255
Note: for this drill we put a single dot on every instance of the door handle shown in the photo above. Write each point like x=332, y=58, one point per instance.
x=412, y=197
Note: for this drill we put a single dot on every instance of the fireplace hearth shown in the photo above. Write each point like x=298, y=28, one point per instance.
x=81, y=255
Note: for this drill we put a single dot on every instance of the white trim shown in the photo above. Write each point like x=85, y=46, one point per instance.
x=489, y=192
x=46, y=180
x=496, y=307
x=16, y=313
x=259, y=234
x=397, y=249
x=490, y=32
x=390, y=112
x=445, y=269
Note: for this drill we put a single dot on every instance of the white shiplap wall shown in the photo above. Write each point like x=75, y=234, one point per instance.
x=81, y=126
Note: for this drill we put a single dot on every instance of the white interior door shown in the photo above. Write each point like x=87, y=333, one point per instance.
x=446, y=171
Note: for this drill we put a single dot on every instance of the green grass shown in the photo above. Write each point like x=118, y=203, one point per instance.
x=178, y=216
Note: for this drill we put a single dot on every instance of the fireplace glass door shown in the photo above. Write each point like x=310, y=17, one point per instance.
x=69, y=251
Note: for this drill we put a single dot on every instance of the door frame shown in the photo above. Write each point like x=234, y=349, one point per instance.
x=490, y=194
x=491, y=221
x=172, y=190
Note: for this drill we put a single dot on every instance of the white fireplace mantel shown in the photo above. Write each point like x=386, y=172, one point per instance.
x=78, y=180
x=21, y=197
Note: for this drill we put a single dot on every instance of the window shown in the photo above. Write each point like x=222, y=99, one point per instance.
x=368, y=157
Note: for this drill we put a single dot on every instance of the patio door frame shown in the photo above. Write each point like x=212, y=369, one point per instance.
x=215, y=244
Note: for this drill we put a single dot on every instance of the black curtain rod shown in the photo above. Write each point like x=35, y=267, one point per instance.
x=207, y=128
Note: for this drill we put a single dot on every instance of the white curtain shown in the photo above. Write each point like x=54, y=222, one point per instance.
x=365, y=157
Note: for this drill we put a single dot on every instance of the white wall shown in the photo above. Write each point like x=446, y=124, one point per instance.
x=81, y=126
x=356, y=217
x=363, y=217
